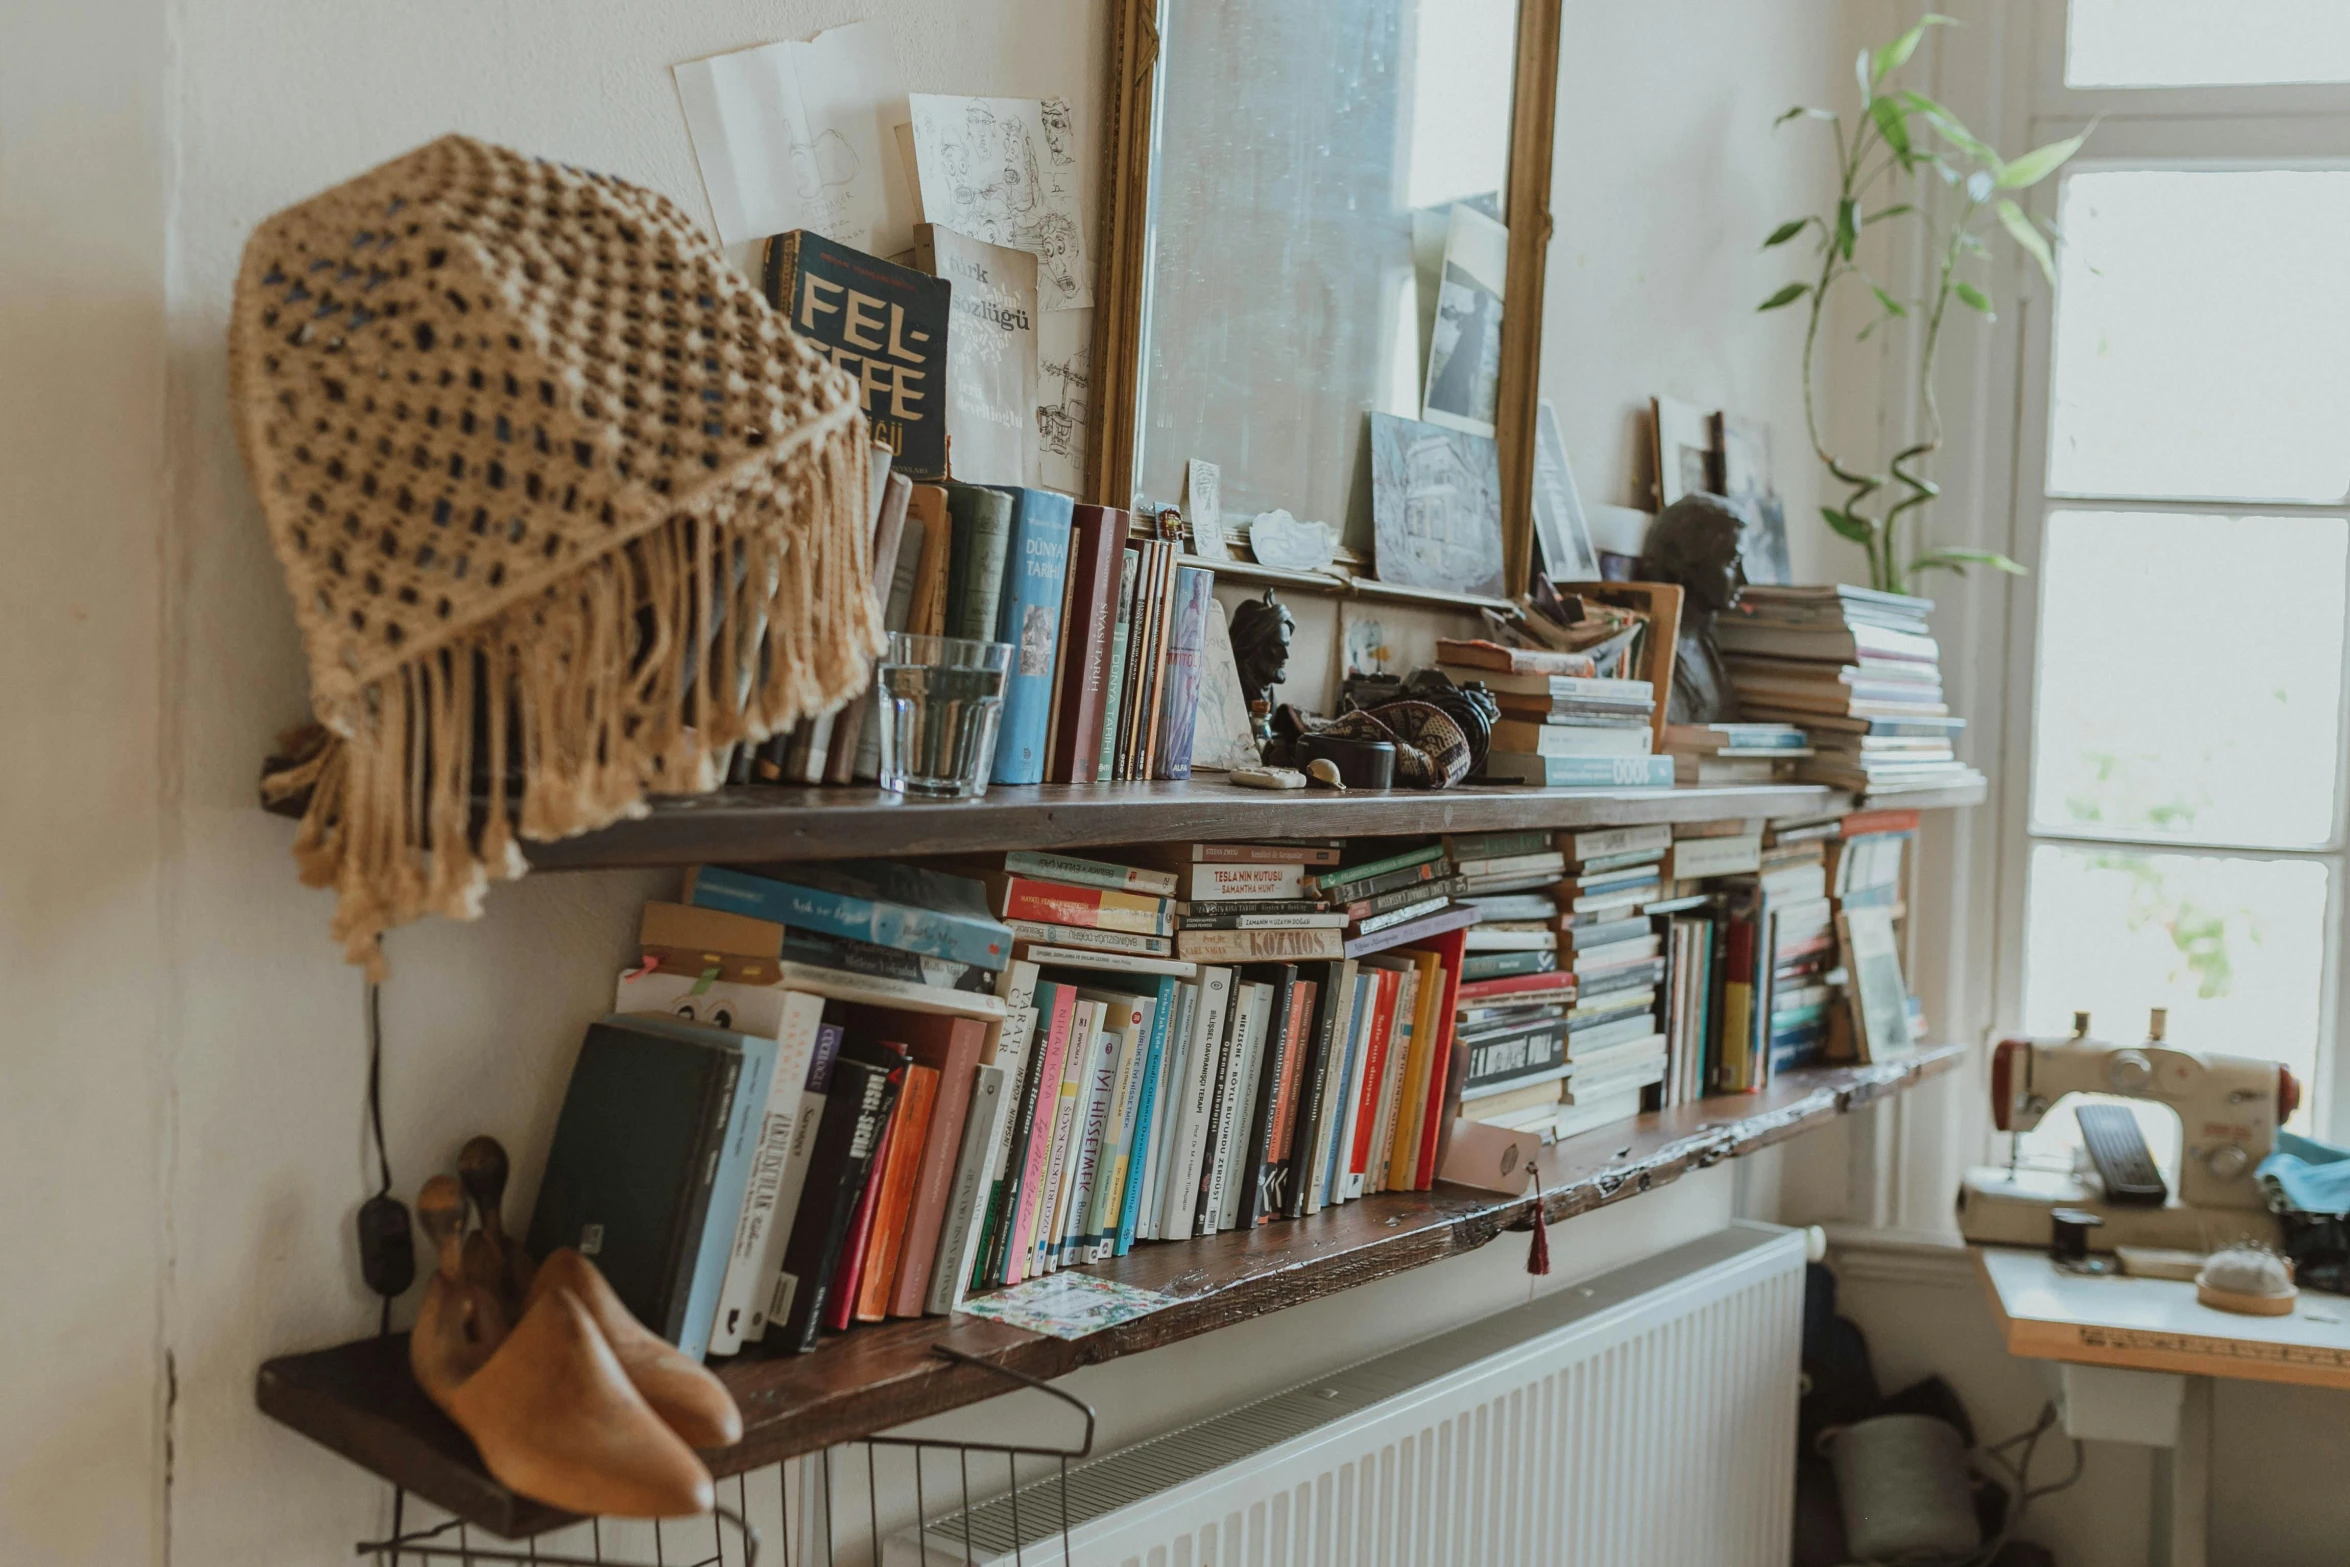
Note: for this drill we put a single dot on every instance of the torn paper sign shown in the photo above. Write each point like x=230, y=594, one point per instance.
x=803, y=135
x=1005, y=170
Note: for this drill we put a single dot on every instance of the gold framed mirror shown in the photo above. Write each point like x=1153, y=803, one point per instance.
x=1282, y=180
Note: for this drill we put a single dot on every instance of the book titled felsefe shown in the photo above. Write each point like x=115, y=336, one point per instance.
x=884, y=324
x=1028, y=616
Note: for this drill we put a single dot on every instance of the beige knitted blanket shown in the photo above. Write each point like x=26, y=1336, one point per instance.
x=566, y=511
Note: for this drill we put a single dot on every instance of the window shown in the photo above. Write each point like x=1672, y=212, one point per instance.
x=2184, y=492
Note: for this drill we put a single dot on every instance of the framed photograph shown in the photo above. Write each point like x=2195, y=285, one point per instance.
x=1742, y=452
x=1684, y=449
x=1464, y=346
x=1559, y=525
x=1873, y=986
x=1436, y=506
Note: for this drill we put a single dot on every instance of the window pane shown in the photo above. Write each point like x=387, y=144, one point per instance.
x=2141, y=734
x=2234, y=947
x=2184, y=43
x=2202, y=348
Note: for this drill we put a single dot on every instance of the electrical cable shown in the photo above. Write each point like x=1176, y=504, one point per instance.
x=375, y=1117
x=2019, y=1471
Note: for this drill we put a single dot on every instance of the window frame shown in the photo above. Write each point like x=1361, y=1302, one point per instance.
x=2218, y=128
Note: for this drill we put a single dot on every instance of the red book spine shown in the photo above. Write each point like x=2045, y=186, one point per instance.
x=840, y=1305
x=1097, y=535
x=1516, y=984
x=908, y=1136
x=1862, y=822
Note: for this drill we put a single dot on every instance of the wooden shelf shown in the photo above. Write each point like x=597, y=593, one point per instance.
x=359, y=1399
x=1339, y=582
x=759, y=824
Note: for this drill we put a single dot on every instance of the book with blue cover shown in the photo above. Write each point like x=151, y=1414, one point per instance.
x=903, y=906
x=1130, y=1206
x=1581, y=772
x=1028, y=616
x=1187, y=634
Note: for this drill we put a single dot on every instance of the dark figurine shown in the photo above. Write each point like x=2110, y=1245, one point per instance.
x=1261, y=630
x=1694, y=544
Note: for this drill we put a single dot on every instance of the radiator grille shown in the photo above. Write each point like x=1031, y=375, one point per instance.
x=1643, y=1417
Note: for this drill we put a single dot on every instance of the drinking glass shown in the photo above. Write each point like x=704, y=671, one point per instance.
x=941, y=699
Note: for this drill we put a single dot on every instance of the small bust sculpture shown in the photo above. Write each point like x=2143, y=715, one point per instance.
x=1694, y=545
x=1261, y=630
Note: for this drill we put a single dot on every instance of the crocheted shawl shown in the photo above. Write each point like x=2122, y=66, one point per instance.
x=566, y=511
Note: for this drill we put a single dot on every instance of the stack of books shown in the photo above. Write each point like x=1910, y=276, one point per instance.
x=1255, y=902
x=1562, y=725
x=1560, y=997
x=1735, y=753
x=1859, y=671
x=1403, y=896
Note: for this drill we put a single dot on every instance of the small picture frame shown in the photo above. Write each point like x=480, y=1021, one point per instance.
x=1873, y=986
x=1559, y=524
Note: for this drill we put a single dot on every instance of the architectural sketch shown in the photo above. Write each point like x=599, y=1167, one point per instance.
x=1064, y=359
x=1436, y=506
x=1005, y=170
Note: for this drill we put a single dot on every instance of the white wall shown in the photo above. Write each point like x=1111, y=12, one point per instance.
x=182, y=1133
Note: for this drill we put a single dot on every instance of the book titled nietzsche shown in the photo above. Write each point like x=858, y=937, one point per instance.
x=884, y=324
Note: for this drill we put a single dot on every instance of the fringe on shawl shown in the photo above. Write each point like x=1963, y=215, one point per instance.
x=636, y=676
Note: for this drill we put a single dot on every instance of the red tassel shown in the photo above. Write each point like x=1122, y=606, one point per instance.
x=1538, y=1252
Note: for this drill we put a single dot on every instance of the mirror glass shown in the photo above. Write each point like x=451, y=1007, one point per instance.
x=1307, y=164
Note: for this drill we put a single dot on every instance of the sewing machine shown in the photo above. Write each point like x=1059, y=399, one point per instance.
x=2229, y=1108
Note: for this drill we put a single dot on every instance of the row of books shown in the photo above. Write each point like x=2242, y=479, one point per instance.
x=840, y=1093
x=1859, y=672
x=1661, y=964
x=1110, y=634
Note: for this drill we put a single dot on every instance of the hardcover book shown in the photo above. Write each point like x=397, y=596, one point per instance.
x=884, y=324
x=1028, y=616
x=981, y=537
x=914, y=910
x=1096, y=534
x=630, y=1174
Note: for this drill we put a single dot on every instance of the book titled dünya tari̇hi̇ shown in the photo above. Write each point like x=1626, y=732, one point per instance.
x=884, y=324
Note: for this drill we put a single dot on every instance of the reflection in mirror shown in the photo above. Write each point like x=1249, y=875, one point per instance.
x=1306, y=169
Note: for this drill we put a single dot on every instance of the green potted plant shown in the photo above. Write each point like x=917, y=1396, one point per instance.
x=1895, y=151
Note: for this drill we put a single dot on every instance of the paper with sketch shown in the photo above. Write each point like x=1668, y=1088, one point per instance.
x=1064, y=359
x=1005, y=170
x=803, y=135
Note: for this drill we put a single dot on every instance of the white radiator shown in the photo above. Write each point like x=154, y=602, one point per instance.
x=1644, y=1418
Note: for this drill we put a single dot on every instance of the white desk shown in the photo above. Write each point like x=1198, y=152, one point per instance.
x=2137, y=1358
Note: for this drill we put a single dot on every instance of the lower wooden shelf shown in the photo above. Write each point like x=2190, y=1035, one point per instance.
x=359, y=1399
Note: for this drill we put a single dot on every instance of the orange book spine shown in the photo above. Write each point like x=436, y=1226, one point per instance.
x=896, y=1197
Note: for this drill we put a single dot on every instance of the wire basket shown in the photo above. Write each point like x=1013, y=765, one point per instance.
x=805, y=1512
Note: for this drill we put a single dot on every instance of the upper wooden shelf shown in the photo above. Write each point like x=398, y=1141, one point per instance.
x=755, y=824
x=360, y=1400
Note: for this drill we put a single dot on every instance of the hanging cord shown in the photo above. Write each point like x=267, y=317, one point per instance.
x=387, y=1255
x=2019, y=1473
x=375, y=1082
